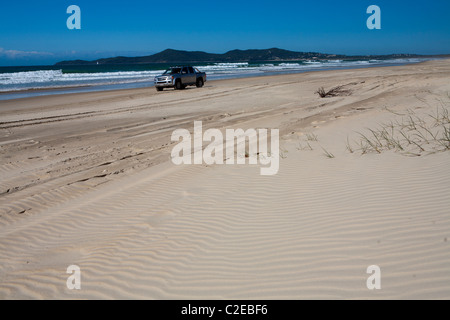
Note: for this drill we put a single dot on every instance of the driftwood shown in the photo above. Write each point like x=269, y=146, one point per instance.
x=334, y=92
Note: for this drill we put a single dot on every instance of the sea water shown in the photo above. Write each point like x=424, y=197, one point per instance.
x=20, y=82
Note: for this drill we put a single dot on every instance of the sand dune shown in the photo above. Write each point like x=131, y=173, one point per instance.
x=86, y=180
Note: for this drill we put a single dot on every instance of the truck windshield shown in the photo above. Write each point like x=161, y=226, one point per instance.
x=172, y=71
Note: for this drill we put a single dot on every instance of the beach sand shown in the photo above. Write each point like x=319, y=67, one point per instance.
x=86, y=179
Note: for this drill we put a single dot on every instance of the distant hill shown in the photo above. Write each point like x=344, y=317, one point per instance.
x=181, y=56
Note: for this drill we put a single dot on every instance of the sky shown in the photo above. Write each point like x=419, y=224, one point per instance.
x=35, y=32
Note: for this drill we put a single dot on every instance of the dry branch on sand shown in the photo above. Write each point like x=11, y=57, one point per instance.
x=334, y=92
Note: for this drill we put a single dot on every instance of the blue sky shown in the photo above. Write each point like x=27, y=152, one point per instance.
x=35, y=32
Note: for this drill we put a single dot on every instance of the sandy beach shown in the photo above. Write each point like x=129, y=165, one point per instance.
x=86, y=179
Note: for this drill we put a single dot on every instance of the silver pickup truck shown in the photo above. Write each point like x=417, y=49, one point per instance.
x=180, y=78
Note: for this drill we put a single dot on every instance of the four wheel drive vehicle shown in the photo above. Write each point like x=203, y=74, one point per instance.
x=180, y=78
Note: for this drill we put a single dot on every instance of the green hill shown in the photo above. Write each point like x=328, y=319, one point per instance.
x=181, y=56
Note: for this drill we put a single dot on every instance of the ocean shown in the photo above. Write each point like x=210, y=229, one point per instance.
x=22, y=82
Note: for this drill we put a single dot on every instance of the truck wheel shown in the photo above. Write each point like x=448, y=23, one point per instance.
x=199, y=83
x=178, y=85
x=159, y=89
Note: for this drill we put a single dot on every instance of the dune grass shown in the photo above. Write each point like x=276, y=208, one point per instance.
x=410, y=135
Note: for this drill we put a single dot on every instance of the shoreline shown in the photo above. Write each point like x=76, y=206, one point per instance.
x=34, y=92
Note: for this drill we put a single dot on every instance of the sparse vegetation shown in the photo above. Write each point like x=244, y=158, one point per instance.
x=334, y=92
x=327, y=153
x=306, y=147
x=349, y=147
x=311, y=137
x=410, y=135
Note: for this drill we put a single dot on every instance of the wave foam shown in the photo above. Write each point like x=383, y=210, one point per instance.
x=57, y=78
